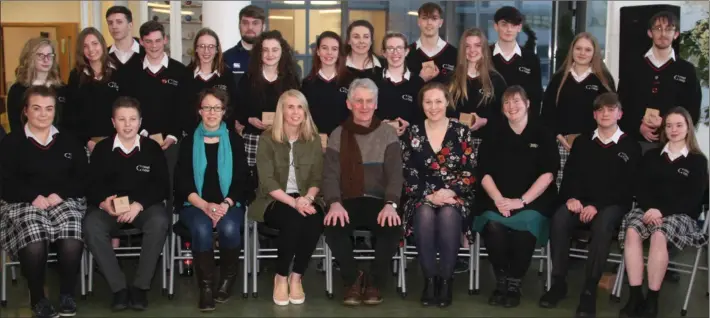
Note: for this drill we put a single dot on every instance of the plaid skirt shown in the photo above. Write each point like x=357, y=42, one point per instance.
x=679, y=229
x=564, y=153
x=251, y=142
x=22, y=224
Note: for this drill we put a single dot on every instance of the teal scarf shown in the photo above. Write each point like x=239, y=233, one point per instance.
x=224, y=157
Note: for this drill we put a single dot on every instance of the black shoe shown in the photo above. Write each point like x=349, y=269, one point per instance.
x=67, y=306
x=139, y=299
x=512, y=296
x=446, y=291
x=557, y=292
x=633, y=306
x=429, y=294
x=228, y=274
x=461, y=266
x=43, y=309
x=205, y=268
x=649, y=309
x=587, y=307
x=498, y=296
x=120, y=300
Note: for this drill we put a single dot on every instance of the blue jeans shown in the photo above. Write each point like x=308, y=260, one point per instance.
x=200, y=225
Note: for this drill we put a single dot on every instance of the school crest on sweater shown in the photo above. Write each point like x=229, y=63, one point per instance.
x=143, y=168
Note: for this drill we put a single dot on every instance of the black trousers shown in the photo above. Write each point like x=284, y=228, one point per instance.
x=509, y=251
x=602, y=226
x=363, y=214
x=298, y=235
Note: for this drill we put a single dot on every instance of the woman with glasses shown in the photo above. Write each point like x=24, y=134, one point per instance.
x=38, y=66
x=208, y=70
x=209, y=195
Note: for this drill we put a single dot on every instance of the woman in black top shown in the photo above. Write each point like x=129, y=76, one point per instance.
x=326, y=86
x=208, y=70
x=92, y=89
x=38, y=66
x=517, y=171
x=209, y=195
x=672, y=182
x=360, y=54
x=43, y=174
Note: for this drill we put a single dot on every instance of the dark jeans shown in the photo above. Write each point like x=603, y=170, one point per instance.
x=298, y=235
x=363, y=213
x=509, y=251
x=200, y=225
x=437, y=230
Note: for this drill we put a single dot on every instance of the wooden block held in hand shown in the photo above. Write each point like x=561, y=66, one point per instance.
x=607, y=281
x=267, y=118
x=570, y=138
x=467, y=119
x=429, y=64
x=158, y=138
x=97, y=139
x=651, y=112
x=324, y=140
x=121, y=205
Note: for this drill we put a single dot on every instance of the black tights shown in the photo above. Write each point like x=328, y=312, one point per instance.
x=33, y=262
x=437, y=230
x=509, y=251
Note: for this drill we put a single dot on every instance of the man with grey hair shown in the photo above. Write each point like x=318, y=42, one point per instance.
x=362, y=184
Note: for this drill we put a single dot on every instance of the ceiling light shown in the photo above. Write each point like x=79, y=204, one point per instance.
x=414, y=13
x=280, y=17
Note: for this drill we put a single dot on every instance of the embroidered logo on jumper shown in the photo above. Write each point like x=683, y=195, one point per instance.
x=142, y=168
x=61, y=99
x=592, y=87
x=524, y=69
x=222, y=87
x=533, y=145
x=237, y=65
x=447, y=67
x=113, y=85
x=344, y=90
x=684, y=172
x=68, y=155
x=408, y=98
x=624, y=156
x=170, y=81
x=679, y=78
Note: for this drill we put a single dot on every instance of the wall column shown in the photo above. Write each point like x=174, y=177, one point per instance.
x=223, y=18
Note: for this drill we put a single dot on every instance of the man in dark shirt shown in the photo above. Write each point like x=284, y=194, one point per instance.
x=126, y=49
x=431, y=57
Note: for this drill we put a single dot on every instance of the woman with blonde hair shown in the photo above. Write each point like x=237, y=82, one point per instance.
x=290, y=165
x=38, y=66
x=476, y=87
x=672, y=182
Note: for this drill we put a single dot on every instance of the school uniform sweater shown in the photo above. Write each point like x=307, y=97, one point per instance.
x=490, y=110
x=88, y=110
x=142, y=174
x=326, y=101
x=524, y=71
x=374, y=73
x=445, y=60
x=573, y=113
x=673, y=84
x=672, y=187
x=400, y=99
x=515, y=162
x=30, y=169
x=601, y=174
x=136, y=58
x=237, y=61
x=252, y=102
x=16, y=103
x=195, y=84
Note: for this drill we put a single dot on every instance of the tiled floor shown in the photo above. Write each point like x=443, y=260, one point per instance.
x=317, y=305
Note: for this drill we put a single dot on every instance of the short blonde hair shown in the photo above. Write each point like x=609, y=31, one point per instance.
x=306, y=131
x=26, y=72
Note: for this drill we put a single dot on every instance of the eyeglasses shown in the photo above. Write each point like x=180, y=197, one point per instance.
x=203, y=47
x=41, y=56
x=398, y=49
x=216, y=108
x=659, y=29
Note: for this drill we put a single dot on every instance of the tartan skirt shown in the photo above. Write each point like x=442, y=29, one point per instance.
x=22, y=224
x=564, y=153
x=679, y=229
x=251, y=142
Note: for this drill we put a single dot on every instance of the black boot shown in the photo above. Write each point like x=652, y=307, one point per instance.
x=512, y=297
x=587, y=307
x=429, y=294
x=229, y=259
x=446, y=291
x=498, y=296
x=634, y=305
x=557, y=292
x=204, y=262
x=650, y=305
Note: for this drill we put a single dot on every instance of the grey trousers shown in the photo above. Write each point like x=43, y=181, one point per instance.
x=98, y=226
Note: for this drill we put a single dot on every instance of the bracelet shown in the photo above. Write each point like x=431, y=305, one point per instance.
x=310, y=198
x=227, y=203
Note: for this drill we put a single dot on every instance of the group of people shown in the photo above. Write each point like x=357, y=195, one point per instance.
x=430, y=143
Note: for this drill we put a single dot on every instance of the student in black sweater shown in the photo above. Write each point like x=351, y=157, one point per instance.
x=209, y=195
x=132, y=166
x=93, y=87
x=476, y=87
x=326, y=87
x=37, y=66
x=126, y=49
x=398, y=88
x=659, y=80
x=431, y=48
x=596, y=193
x=518, y=66
x=43, y=175
x=517, y=170
x=208, y=69
x=671, y=185
x=361, y=60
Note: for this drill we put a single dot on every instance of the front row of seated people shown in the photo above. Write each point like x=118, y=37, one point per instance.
x=47, y=186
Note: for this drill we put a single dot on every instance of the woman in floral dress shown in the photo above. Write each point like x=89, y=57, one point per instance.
x=439, y=179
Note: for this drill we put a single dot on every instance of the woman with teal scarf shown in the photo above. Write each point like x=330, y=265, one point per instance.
x=209, y=195
x=516, y=170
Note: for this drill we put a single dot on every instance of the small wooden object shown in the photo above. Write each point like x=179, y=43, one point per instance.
x=570, y=138
x=394, y=123
x=467, y=119
x=97, y=139
x=121, y=205
x=267, y=118
x=429, y=64
x=650, y=114
x=158, y=138
x=607, y=281
x=324, y=140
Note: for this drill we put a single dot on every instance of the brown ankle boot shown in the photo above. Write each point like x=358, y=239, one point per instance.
x=372, y=293
x=204, y=262
x=353, y=293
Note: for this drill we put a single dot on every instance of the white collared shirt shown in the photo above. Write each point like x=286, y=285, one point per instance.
x=122, y=56
x=386, y=75
x=267, y=78
x=498, y=50
x=205, y=76
x=580, y=77
x=52, y=131
x=117, y=144
x=374, y=62
x=156, y=68
x=325, y=77
x=473, y=74
x=615, y=137
x=88, y=72
x=656, y=62
x=673, y=156
x=440, y=45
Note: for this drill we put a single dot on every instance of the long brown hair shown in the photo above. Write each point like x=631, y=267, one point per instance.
x=26, y=72
x=340, y=68
x=598, y=67
x=459, y=83
x=371, y=52
x=286, y=69
x=690, y=140
x=82, y=63
x=217, y=62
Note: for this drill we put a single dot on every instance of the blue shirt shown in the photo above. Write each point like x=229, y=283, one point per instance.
x=237, y=60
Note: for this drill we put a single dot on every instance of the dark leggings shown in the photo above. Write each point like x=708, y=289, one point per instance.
x=509, y=251
x=33, y=262
x=437, y=230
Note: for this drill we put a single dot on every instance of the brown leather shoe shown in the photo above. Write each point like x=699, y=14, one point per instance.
x=353, y=294
x=372, y=294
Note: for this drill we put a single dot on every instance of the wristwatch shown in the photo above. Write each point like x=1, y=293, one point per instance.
x=392, y=203
x=310, y=198
x=523, y=201
x=227, y=203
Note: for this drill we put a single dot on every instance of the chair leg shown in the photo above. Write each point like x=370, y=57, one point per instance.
x=90, y=284
x=171, y=267
x=245, y=253
x=477, y=277
x=328, y=264
x=254, y=259
x=3, y=273
x=402, y=273
x=82, y=273
x=471, y=268
x=684, y=310
x=620, y=278
x=548, y=258
x=13, y=275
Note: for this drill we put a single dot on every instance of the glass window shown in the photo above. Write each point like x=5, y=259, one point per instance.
x=596, y=22
x=373, y=11
x=538, y=22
